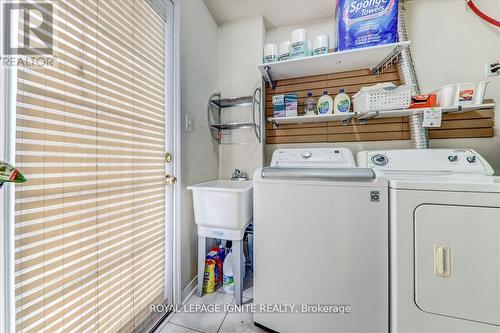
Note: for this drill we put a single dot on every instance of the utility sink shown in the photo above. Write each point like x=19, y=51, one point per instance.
x=223, y=208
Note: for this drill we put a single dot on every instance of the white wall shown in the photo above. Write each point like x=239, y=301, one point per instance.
x=240, y=51
x=449, y=44
x=199, y=79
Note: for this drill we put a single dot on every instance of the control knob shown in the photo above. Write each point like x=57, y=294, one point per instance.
x=380, y=159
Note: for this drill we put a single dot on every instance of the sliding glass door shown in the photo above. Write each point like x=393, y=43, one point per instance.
x=90, y=222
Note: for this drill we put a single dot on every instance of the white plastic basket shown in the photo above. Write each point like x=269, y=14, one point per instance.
x=382, y=96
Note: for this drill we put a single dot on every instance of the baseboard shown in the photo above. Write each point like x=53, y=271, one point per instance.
x=189, y=290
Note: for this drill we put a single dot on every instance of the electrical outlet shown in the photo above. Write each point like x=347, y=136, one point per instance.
x=492, y=69
x=189, y=123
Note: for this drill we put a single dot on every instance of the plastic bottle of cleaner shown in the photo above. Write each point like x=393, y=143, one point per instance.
x=228, y=277
x=325, y=104
x=209, y=277
x=310, y=108
x=342, y=102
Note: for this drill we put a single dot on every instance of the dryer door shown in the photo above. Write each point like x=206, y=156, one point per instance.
x=457, y=261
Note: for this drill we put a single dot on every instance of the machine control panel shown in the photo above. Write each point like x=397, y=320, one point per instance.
x=313, y=158
x=426, y=160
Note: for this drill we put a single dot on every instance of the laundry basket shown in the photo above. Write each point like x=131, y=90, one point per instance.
x=382, y=96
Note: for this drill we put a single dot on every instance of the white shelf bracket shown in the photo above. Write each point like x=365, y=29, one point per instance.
x=273, y=123
x=391, y=58
x=268, y=78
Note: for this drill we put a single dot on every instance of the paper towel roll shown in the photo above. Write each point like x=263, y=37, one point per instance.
x=320, y=44
x=299, y=43
x=284, y=50
x=299, y=35
x=270, y=52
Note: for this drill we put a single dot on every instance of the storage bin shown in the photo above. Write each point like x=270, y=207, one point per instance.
x=382, y=96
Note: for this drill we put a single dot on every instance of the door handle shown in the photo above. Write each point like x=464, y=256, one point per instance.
x=168, y=157
x=442, y=260
x=170, y=180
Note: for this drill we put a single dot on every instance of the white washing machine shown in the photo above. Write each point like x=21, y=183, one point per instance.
x=444, y=239
x=320, y=240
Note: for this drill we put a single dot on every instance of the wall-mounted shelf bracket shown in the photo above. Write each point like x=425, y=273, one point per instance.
x=275, y=125
x=267, y=77
x=390, y=59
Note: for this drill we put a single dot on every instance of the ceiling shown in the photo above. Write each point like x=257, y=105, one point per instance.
x=276, y=13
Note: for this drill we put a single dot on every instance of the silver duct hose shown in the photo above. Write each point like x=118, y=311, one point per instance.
x=419, y=135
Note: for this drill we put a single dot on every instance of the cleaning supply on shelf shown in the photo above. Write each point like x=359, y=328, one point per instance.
x=466, y=93
x=291, y=105
x=209, y=276
x=320, y=45
x=228, y=277
x=299, y=43
x=284, y=50
x=279, y=106
x=363, y=23
x=310, y=108
x=214, y=255
x=222, y=252
x=325, y=104
x=423, y=101
x=341, y=103
x=270, y=53
x=285, y=105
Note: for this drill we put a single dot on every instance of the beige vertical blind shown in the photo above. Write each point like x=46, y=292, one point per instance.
x=90, y=221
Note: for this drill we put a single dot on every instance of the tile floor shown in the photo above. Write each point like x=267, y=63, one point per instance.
x=182, y=322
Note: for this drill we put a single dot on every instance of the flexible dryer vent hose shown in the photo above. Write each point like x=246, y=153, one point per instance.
x=419, y=134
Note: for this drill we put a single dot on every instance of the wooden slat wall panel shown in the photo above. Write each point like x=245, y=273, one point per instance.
x=472, y=124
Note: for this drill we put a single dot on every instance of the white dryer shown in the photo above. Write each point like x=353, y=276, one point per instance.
x=444, y=239
x=320, y=240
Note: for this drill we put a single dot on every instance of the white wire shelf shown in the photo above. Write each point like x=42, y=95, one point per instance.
x=373, y=58
x=276, y=121
x=409, y=112
x=311, y=118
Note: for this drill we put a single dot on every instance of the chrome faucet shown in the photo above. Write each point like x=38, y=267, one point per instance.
x=238, y=175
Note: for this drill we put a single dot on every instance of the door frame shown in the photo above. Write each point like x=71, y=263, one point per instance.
x=8, y=88
x=173, y=145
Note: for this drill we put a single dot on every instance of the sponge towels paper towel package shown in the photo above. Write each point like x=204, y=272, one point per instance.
x=362, y=23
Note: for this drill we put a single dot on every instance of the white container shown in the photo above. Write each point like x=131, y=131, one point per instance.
x=228, y=274
x=284, y=50
x=447, y=95
x=465, y=93
x=299, y=43
x=224, y=204
x=382, y=96
x=480, y=90
x=325, y=104
x=270, y=53
x=309, y=48
x=341, y=103
x=320, y=45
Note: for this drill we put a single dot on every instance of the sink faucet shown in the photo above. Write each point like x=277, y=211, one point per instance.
x=238, y=175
